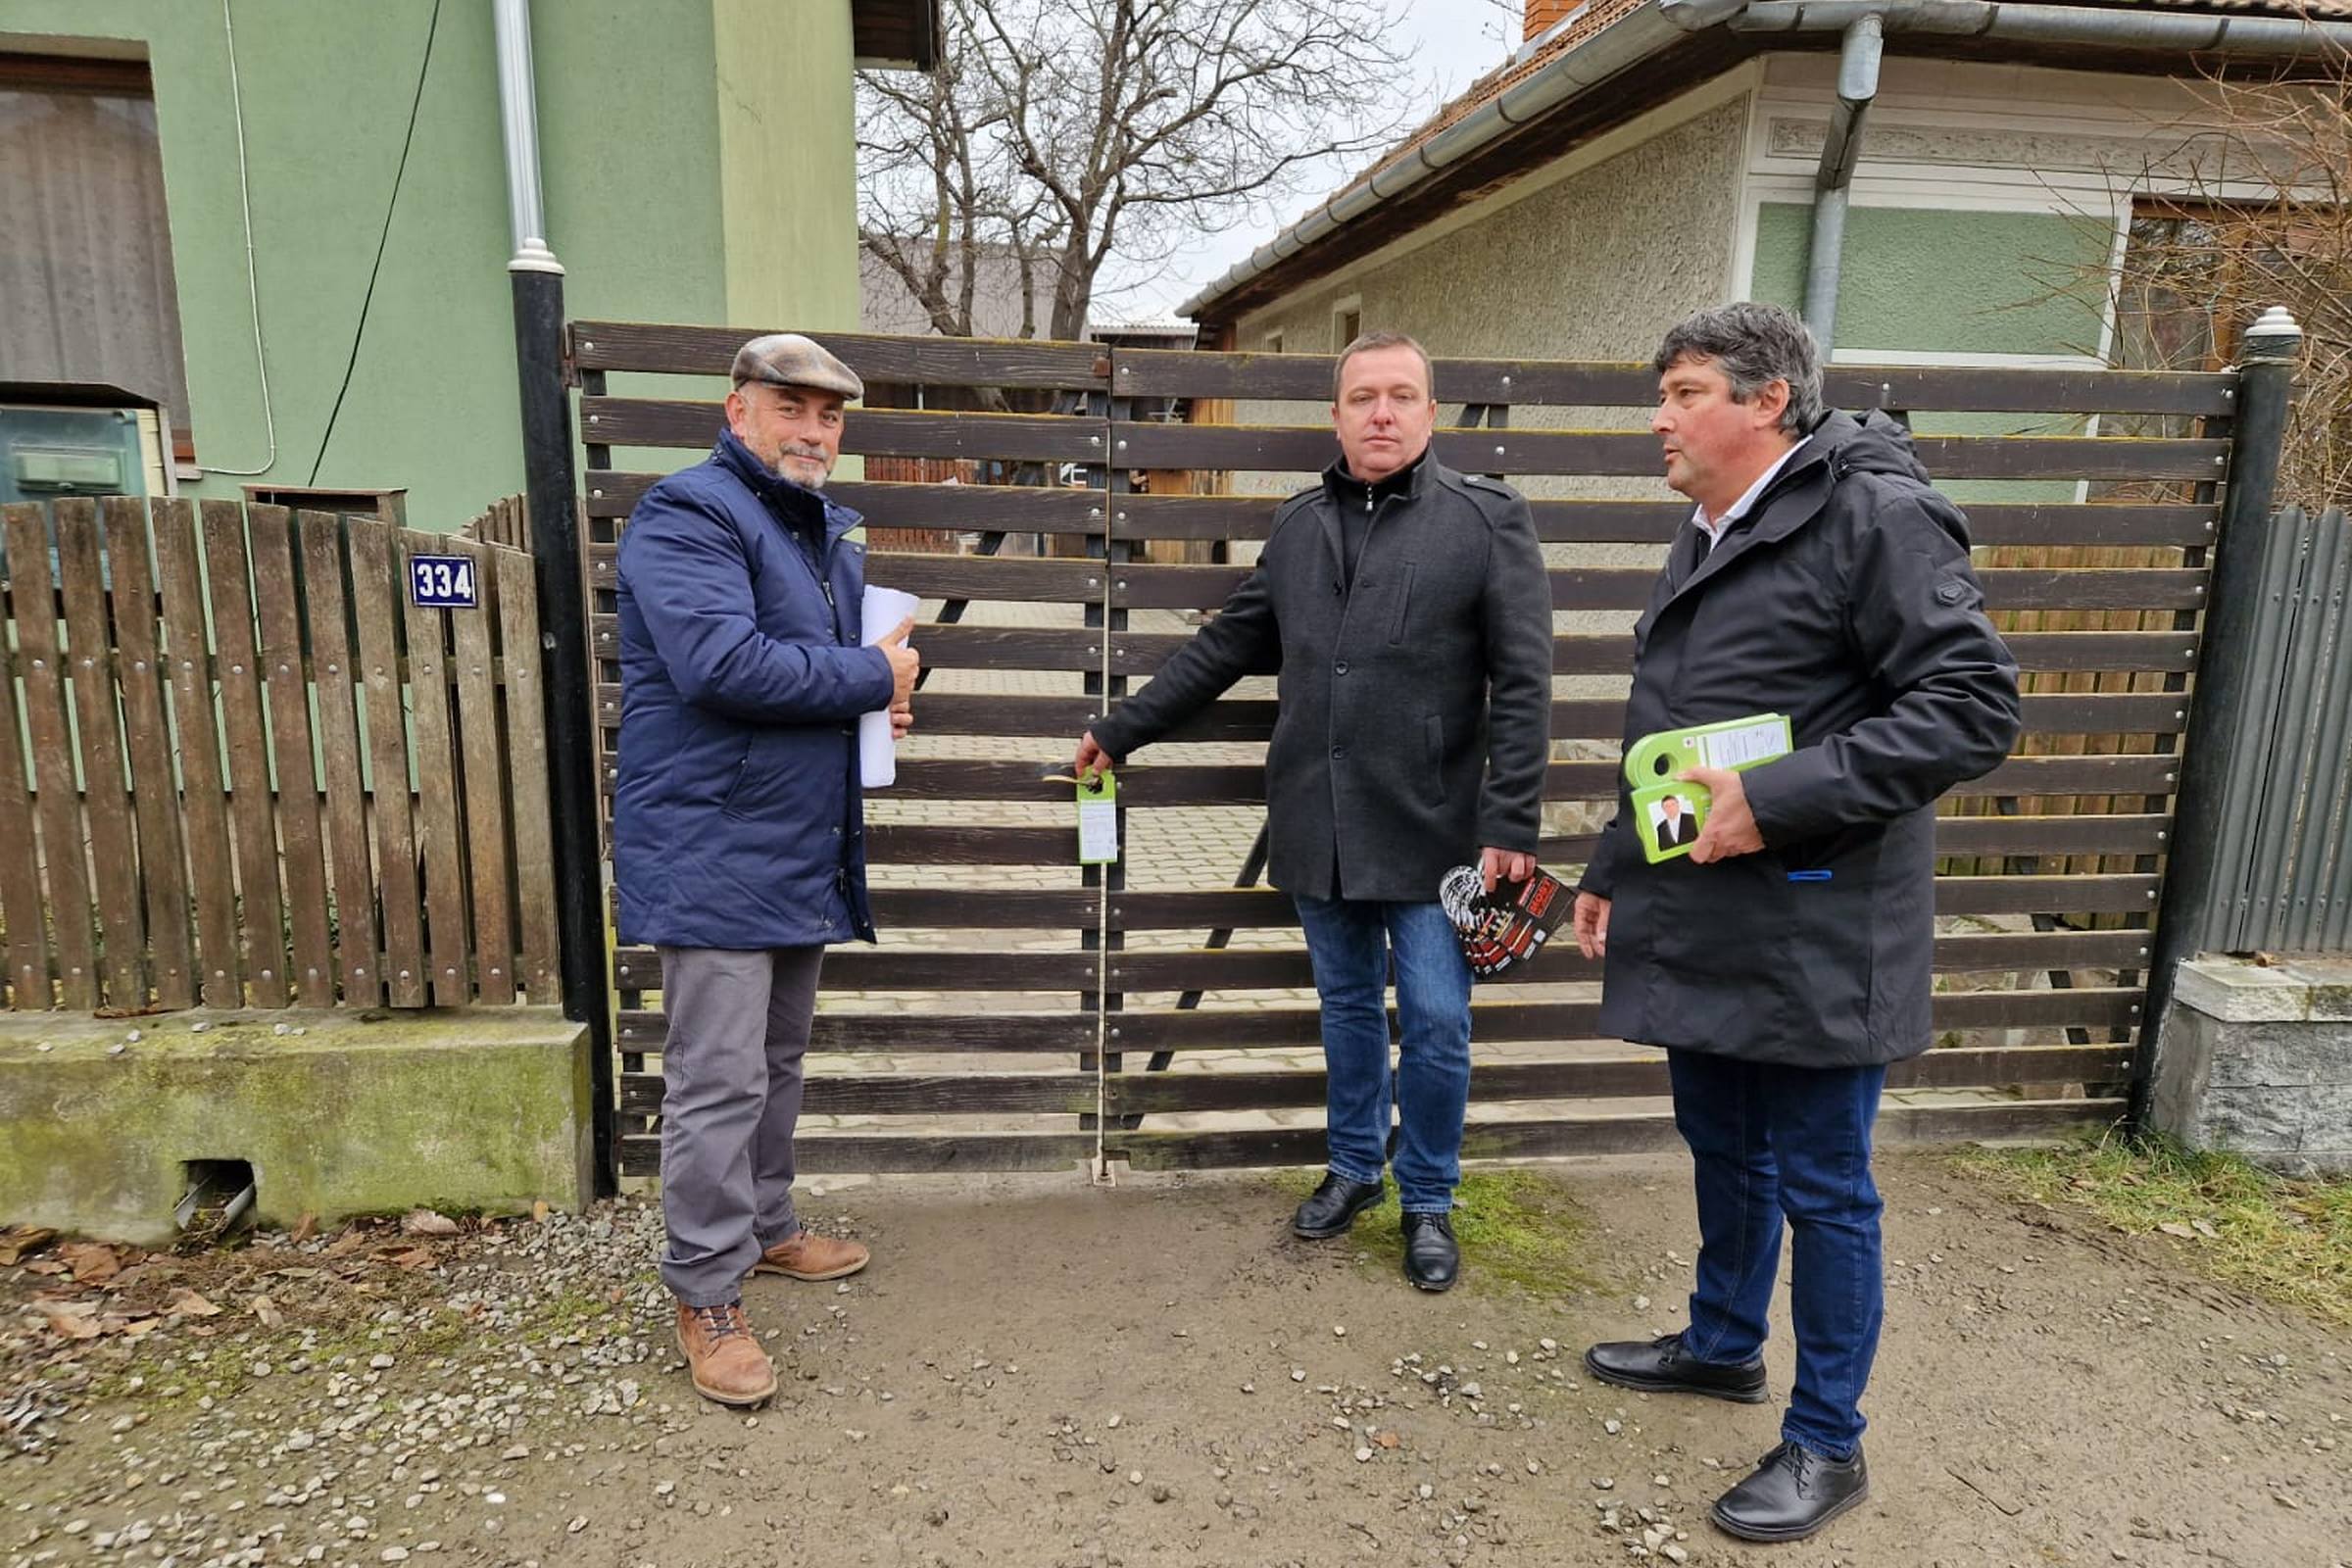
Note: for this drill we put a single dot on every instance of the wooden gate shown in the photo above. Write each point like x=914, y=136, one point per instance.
x=1022, y=1012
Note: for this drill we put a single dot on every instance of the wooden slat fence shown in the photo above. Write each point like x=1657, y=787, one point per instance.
x=999, y=976
x=239, y=767
x=508, y=522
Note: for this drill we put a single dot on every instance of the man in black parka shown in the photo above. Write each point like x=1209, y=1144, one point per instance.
x=1407, y=610
x=1786, y=959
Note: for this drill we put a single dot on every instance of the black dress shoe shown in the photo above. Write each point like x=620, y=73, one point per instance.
x=1335, y=1205
x=1663, y=1366
x=1432, y=1260
x=1794, y=1492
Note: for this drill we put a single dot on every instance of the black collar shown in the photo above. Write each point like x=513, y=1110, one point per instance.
x=1347, y=489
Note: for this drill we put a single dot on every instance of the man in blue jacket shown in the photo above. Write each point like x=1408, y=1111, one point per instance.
x=738, y=834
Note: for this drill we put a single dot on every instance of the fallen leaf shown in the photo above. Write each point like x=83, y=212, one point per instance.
x=20, y=1242
x=76, y=1320
x=350, y=1242
x=1386, y=1439
x=187, y=1303
x=2204, y=1228
x=138, y=1328
x=91, y=1262
x=305, y=1228
x=46, y=1266
x=267, y=1311
x=539, y=1211
x=424, y=1222
x=296, y=1273
x=414, y=1257
x=2172, y=1227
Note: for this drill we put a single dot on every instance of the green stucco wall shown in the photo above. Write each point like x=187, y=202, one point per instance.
x=660, y=205
x=1925, y=279
x=1948, y=281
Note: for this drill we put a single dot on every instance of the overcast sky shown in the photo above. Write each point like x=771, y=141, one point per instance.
x=1453, y=42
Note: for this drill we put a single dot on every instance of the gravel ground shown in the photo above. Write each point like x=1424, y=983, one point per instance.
x=1034, y=1373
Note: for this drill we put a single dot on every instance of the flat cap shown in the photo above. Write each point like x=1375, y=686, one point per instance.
x=787, y=358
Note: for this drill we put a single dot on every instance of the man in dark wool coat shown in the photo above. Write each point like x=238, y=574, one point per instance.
x=1406, y=607
x=1785, y=960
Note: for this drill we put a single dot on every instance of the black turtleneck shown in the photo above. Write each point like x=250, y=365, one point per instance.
x=1358, y=499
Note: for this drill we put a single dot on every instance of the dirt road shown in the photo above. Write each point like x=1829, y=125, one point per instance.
x=1037, y=1374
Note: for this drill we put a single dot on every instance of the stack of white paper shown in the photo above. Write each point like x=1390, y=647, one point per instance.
x=878, y=754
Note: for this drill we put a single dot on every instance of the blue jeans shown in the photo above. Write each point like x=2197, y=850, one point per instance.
x=1769, y=1142
x=1350, y=941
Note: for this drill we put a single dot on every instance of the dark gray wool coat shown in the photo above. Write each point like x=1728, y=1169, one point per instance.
x=1845, y=600
x=1415, y=713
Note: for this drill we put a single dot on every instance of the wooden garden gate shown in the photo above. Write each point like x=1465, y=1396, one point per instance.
x=1022, y=1012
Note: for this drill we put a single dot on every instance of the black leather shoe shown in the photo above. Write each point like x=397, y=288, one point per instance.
x=1335, y=1205
x=1794, y=1492
x=1433, y=1260
x=1662, y=1366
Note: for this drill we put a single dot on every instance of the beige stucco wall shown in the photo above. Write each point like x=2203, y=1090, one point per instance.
x=1594, y=266
x=786, y=182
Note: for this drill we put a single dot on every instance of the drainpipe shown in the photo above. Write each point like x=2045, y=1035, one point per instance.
x=518, y=117
x=1857, y=84
x=551, y=485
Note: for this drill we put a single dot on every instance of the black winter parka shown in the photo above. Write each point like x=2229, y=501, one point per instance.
x=1845, y=600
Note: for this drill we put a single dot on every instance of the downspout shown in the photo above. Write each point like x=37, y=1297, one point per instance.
x=552, y=496
x=518, y=117
x=1857, y=84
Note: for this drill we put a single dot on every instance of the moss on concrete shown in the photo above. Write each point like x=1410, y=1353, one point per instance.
x=484, y=1109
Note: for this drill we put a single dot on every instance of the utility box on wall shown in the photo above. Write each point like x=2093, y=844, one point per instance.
x=58, y=442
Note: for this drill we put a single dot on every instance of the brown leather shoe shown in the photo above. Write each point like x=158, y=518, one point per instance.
x=726, y=1362
x=811, y=1256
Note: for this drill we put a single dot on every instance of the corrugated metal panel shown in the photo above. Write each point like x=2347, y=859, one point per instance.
x=2292, y=752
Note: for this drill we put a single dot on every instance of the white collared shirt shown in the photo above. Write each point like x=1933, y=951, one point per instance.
x=1714, y=528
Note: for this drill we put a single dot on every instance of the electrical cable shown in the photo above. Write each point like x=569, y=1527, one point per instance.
x=253, y=286
x=432, y=26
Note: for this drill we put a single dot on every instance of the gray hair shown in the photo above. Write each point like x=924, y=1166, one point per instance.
x=1365, y=343
x=1754, y=345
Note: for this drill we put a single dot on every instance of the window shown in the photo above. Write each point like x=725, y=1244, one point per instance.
x=1346, y=321
x=1273, y=342
x=86, y=291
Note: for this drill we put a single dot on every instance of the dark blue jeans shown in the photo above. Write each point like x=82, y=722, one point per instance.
x=1767, y=1143
x=1350, y=941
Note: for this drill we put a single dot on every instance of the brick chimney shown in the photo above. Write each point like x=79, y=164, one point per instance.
x=1542, y=14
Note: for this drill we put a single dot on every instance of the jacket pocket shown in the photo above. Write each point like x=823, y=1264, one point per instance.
x=1433, y=740
x=1404, y=605
x=742, y=770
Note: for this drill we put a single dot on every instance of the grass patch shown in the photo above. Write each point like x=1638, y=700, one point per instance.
x=1517, y=1227
x=2286, y=1241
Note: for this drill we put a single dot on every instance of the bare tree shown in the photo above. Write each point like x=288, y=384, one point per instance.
x=2258, y=212
x=1062, y=133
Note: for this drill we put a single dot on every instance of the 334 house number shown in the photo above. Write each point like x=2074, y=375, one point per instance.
x=442, y=583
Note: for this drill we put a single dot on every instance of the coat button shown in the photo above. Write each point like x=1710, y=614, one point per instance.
x=837, y=832
x=1340, y=669
x=1338, y=752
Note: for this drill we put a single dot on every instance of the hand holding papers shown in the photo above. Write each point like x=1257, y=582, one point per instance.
x=1669, y=811
x=882, y=611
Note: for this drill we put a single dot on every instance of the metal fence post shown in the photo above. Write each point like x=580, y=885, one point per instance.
x=552, y=487
x=2195, y=872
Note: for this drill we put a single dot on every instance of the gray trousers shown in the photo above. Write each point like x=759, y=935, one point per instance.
x=730, y=1097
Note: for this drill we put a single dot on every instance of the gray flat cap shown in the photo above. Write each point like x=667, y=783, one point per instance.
x=787, y=358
